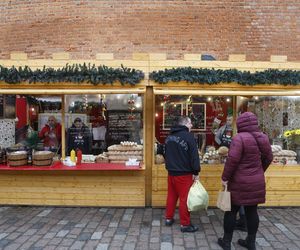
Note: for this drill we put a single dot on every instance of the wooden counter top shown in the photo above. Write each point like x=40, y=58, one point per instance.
x=58, y=166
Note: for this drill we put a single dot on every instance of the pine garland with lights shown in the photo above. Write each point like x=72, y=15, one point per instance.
x=75, y=73
x=215, y=76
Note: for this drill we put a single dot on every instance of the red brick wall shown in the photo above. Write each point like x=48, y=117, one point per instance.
x=83, y=28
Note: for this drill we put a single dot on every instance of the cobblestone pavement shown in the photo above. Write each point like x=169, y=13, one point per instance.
x=23, y=227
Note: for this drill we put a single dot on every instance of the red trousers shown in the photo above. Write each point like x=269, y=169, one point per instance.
x=178, y=187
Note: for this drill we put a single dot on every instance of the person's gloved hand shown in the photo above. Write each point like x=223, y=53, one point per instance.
x=196, y=177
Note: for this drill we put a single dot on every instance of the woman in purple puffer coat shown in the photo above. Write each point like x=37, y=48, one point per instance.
x=249, y=156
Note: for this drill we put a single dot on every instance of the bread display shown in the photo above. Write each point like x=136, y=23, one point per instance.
x=282, y=156
x=102, y=158
x=223, y=151
x=119, y=147
x=211, y=156
x=120, y=153
x=159, y=159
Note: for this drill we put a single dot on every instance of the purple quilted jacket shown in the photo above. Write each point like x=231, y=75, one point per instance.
x=249, y=156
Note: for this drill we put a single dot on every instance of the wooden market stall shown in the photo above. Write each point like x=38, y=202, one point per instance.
x=283, y=181
x=87, y=184
x=117, y=185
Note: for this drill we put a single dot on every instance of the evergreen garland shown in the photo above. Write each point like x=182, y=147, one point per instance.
x=212, y=76
x=75, y=73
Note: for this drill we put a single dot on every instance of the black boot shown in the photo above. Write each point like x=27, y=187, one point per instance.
x=248, y=243
x=241, y=224
x=225, y=242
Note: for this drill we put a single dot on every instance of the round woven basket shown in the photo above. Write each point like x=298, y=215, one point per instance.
x=46, y=162
x=42, y=158
x=42, y=155
x=17, y=163
x=18, y=155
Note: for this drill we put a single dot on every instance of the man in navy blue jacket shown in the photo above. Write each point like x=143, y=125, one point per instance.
x=183, y=165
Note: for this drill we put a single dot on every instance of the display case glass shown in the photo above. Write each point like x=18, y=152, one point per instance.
x=214, y=125
x=105, y=128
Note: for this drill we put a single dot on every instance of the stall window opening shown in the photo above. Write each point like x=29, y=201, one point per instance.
x=93, y=124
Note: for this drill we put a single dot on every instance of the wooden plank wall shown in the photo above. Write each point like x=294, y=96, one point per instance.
x=282, y=183
x=73, y=188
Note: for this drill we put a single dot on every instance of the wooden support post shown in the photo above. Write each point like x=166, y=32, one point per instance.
x=234, y=113
x=63, y=133
x=149, y=142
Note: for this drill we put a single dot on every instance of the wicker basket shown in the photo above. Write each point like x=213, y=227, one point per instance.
x=42, y=155
x=16, y=159
x=42, y=158
x=18, y=163
x=18, y=155
x=46, y=162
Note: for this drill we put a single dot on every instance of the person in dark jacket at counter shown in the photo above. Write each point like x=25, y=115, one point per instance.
x=249, y=156
x=183, y=165
x=79, y=136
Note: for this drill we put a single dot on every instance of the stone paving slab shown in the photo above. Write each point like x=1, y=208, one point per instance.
x=39, y=228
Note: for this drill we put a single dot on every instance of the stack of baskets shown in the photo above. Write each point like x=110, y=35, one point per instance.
x=17, y=158
x=42, y=158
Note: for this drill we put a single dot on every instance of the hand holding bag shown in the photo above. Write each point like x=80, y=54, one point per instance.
x=197, y=197
x=224, y=200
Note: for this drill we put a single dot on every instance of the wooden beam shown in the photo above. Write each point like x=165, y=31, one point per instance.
x=149, y=125
x=63, y=128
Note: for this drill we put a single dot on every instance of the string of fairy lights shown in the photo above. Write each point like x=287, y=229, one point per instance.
x=167, y=100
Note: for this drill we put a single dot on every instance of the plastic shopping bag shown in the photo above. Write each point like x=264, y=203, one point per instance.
x=224, y=200
x=197, y=197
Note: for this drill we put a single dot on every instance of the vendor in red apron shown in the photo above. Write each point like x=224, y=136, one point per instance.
x=224, y=134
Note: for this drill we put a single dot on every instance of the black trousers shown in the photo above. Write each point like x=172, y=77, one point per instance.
x=251, y=217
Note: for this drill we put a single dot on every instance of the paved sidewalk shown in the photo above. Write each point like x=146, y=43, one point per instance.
x=129, y=228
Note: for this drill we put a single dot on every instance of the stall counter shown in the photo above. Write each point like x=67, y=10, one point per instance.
x=84, y=185
x=82, y=167
x=282, y=183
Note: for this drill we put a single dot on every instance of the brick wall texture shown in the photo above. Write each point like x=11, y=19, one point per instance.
x=83, y=28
